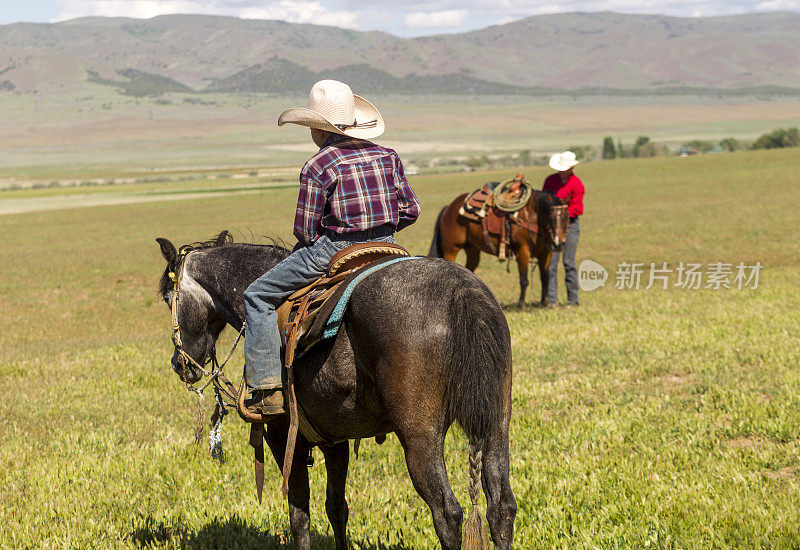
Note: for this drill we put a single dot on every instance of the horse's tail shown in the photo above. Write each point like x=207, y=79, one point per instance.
x=480, y=369
x=436, y=245
x=480, y=352
x=474, y=537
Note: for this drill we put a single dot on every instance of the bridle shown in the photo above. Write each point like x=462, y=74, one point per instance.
x=222, y=386
x=555, y=217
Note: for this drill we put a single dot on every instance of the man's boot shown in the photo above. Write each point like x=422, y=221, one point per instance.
x=268, y=403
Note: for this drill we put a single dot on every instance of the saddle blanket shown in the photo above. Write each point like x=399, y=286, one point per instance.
x=324, y=323
x=334, y=321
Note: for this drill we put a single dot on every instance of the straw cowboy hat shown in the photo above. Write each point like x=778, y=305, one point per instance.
x=333, y=107
x=561, y=162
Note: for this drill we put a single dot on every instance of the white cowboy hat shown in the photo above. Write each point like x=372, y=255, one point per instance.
x=332, y=106
x=561, y=162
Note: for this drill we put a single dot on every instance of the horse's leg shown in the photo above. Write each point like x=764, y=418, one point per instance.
x=299, y=493
x=473, y=257
x=425, y=461
x=454, y=242
x=544, y=275
x=337, y=459
x=523, y=259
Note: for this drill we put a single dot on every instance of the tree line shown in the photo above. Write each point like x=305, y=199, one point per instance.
x=644, y=147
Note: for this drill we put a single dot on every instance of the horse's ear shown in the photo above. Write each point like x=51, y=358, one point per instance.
x=223, y=237
x=167, y=250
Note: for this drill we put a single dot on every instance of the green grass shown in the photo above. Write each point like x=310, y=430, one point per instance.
x=650, y=418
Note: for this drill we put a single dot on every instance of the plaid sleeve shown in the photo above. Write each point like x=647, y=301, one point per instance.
x=310, y=207
x=408, y=205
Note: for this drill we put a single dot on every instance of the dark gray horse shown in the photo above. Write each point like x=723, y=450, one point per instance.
x=424, y=343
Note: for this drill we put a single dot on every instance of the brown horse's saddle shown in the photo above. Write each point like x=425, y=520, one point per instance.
x=496, y=206
x=507, y=197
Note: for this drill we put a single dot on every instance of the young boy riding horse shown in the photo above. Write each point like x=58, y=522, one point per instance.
x=351, y=191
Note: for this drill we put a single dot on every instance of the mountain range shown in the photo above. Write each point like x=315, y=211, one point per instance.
x=591, y=52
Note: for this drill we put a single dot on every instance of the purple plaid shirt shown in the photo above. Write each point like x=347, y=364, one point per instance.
x=352, y=185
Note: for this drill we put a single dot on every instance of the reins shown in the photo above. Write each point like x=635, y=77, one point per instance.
x=222, y=386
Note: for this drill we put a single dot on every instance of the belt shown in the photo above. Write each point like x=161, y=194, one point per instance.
x=378, y=232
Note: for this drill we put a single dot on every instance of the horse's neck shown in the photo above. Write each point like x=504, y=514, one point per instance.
x=226, y=272
x=531, y=216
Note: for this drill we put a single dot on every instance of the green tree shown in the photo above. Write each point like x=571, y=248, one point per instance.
x=609, y=152
x=620, y=149
x=730, y=144
x=637, y=146
x=792, y=138
x=782, y=137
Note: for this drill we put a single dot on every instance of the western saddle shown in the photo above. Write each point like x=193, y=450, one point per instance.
x=496, y=206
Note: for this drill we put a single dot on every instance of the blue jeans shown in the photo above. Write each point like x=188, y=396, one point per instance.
x=570, y=271
x=263, y=363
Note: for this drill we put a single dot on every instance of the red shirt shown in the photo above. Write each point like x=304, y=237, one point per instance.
x=572, y=190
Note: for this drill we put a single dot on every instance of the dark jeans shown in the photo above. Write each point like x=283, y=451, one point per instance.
x=570, y=271
x=262, y=341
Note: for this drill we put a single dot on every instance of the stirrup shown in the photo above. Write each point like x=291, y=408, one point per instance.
x=248, y=414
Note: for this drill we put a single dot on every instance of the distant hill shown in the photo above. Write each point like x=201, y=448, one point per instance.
x=282, y=76
x=580, y=51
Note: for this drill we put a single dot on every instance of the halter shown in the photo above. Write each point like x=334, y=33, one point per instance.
x=221, y=383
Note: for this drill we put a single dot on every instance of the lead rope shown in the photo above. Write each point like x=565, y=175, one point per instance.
x=200, y=417
x=215, y=433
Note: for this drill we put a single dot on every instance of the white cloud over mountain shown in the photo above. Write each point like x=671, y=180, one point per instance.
x=445, y=18
x=294, y=11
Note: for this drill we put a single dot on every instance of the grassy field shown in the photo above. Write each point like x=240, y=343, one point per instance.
x=644, y=418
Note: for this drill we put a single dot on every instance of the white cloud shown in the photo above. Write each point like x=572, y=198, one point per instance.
x=301, y=12
x=140, y=9
x=294, y=11
x=779, y=5
x=446, y=18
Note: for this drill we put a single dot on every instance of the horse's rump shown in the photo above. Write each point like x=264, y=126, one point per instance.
x=433, y=315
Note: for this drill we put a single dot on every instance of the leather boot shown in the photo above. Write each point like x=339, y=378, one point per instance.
x=267, y=403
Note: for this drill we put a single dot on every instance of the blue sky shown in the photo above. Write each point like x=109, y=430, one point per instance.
x=407, y=18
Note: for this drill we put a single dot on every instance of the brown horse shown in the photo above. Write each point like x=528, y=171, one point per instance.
x=547, y=214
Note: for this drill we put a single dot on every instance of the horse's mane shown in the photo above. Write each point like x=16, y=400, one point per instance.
x=544, y=199
x=223, y=239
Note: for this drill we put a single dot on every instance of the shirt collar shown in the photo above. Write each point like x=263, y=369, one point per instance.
x=334, y=138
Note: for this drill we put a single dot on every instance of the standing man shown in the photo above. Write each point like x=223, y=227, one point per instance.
x=566, y=186
x=351, y=191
